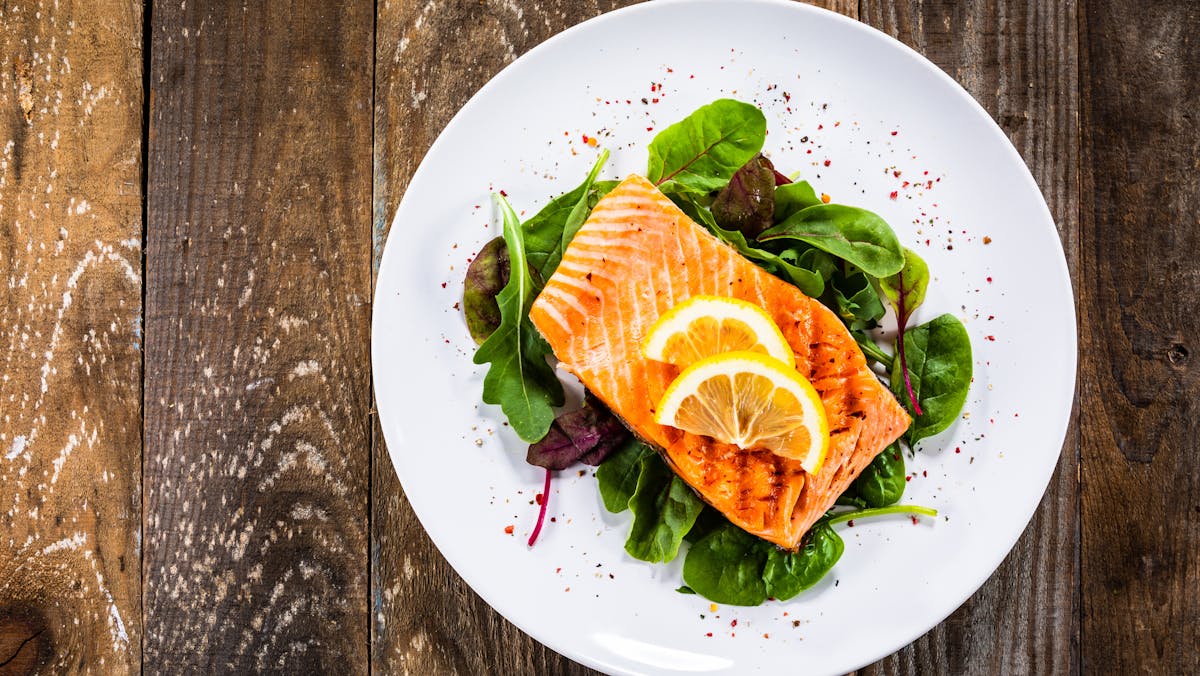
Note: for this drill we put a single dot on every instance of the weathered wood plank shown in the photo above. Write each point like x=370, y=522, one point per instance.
x=257, y=307
x=425, y=619
x=1141, y=187
x=70, y=336
x=1020, y=60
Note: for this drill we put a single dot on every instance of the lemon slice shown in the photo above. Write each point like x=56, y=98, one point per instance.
x=752, y=401
x=702, y=326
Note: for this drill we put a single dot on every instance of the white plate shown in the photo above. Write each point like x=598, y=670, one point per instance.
x=847, y=88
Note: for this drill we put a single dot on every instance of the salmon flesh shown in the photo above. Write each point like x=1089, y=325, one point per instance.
x=638, y=256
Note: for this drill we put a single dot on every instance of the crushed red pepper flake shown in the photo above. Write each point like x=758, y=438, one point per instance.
x=987, y=240
x=894, y=194
x=508, y=530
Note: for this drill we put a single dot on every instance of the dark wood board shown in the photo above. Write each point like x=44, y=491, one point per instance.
x=1019, y=60
x=257, y=327
x=1140, y=506
x=70, y=336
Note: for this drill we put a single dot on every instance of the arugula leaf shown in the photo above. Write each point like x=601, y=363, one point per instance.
x=855, y=301
x=747, y=203
x=905, y=290
x=588, y=434
x=881, y=482
x=664, y=509
x=617, y=477
x=702, y=151
x=786, y=574
x=938, y=358
x=519, y=378
x=726, y=566
x=486, y=276
x=808, y=281
x=548, y=232
x=792, y=197
x=855, y=235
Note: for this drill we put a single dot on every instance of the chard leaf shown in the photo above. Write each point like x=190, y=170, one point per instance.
x=938, y=358
x=881, y=482
x=486, y=276
x=747, y=203
x=792, y=197
x=548, y=232
x=855, y=235
x=588, y=434
x=905, y=290
x=702, y=151
x=617, y=477
x=519, y=379
x=664, y=509
x=786, y=574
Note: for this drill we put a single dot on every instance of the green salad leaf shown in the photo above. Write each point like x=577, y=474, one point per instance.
x=790, y=198
x=617, y=477
x=855, y=300
x=855, y=235
x=519, y=378
x=786, y=574
x=664, y=509
x=882, y=482
x=938, y=356
x=726, y=566
x=729, y=565
x=548, y=232
x=702, y=151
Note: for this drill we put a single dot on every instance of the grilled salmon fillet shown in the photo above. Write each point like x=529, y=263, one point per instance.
x=638, y=256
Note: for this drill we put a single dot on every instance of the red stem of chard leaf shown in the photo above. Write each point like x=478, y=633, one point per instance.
x=901, y=323
x=537, y=528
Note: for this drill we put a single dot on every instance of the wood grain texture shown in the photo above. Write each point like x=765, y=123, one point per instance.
x=425, y=619
x=257, y=327
x=70, y=336
x=1141, y=489
x=1020, y=61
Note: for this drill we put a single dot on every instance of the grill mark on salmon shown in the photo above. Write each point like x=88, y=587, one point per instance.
x=636, y=257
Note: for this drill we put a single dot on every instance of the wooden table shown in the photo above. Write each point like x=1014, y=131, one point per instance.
x=192, y=202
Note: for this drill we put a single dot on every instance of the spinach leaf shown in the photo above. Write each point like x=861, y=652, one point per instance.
x=726, y=566
x=808, y=281
x=519, y=378
x=786, y=574
x=588, y=434
x=486, y=276
x=871, y=349
x=617, y=477
x=792, y=197
x=664, y=509
x=855, y=301
x=938, y=358
x=708, y=521
x=548, y=232
x=855, y=235
x=701, y=151
x=747, y=202
x=906, y=291
x=882, y=482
